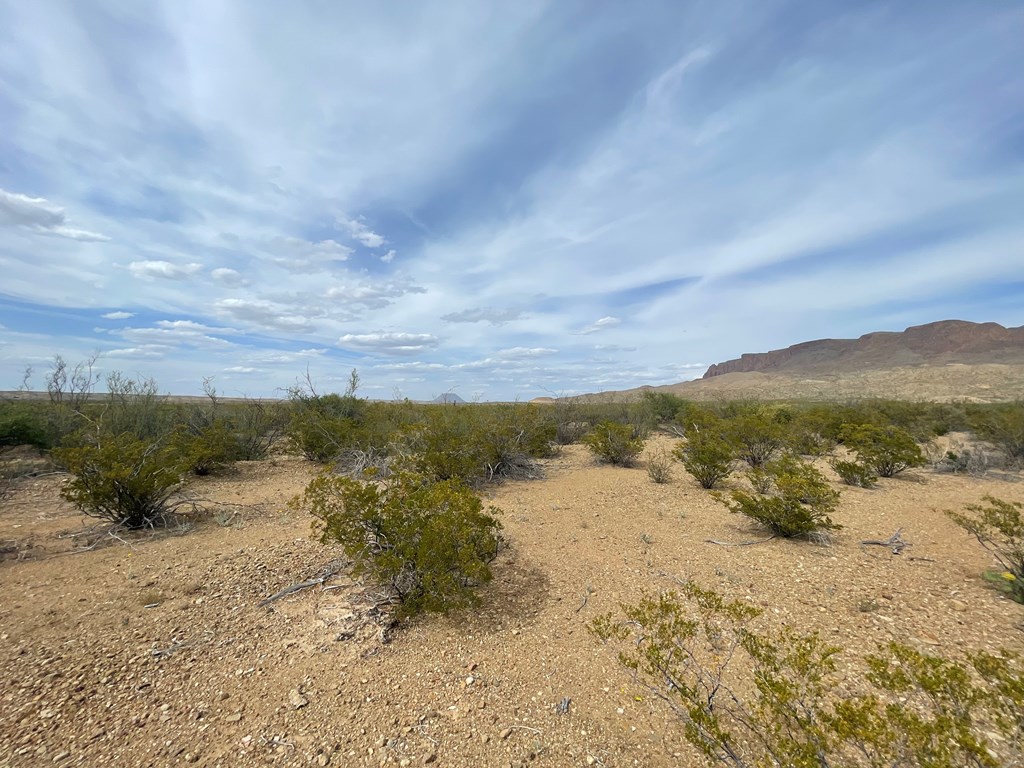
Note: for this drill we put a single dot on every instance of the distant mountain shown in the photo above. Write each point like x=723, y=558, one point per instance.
x=941, y=343
x=942, y=361
x=448, y=398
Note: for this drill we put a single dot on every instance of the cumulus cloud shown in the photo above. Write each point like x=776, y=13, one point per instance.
x=264, y=313
x=390, y=343
x=230, y=278
x=163, y=270
x=358, y=230
x=388, y=257
x=40, y=215
x=483, y=315
x=600, y=325
x=118, y=315
x=370, y=294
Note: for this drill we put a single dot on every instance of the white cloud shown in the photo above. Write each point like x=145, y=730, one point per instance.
x=40, y=215
x=483, y=314
x=118, y=315
x=390, y=343
x=359, y=231
x=150, y=352
x=263, y=313
x=368, y=294
x=388, y=257
x=599, y=325
x=515, y=353
x=298, y=255
x=163, y=270
x=229, y=277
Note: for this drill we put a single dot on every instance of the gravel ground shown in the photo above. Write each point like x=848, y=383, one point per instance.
x=155, y=650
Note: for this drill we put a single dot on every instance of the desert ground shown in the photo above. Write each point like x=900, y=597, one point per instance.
x=158, y=650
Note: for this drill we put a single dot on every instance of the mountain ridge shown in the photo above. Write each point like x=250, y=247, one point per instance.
x=939, y=343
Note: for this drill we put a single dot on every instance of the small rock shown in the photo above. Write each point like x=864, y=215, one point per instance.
x=470, y=680
x=958, y=605
x=322, y=759
x=296, y=699
x=505, y=734
x=591, y=759
x=428, y=759
x=233, y=718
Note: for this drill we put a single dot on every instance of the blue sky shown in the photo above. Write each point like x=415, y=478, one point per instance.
x=501, y=199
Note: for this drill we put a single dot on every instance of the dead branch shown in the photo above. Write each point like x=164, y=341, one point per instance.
x=738, y=544
x=894, y=542
x=327, y=573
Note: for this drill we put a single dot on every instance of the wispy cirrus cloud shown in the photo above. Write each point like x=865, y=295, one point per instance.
x=678, y=181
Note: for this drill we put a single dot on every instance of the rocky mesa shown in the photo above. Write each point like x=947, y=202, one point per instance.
x=939, y=343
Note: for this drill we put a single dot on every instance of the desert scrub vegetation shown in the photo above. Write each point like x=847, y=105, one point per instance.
x=707, y=456
x=123, y=480
x=886, y=450
x=855, y=473
x=1003, y=426
x=429, y=544
x=616, y=444
x=746, y=697
x=476, y=444
x=758, y=432
x=999, y=527
x=792, y=499
x=659, y=467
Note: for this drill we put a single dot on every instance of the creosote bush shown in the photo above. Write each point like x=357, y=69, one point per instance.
x=694, y=650
x=999, y=527
x=613, y=443
x=430, y=544
x=887, y=450
x=798, y=503
x=1003, y=426
x=123, y=480
x=855, y=473
x=707, y=456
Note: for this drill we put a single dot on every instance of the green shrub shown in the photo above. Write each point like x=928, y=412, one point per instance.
x=887, y=450
x=430, y=544
x=707, y=456
x=206, y=449
x=855, y=473
x=799, y=504
x=24, y=425
x=1003, y=426
x=123, y=480
x=758, y=434
x=614, y=443
x=476, y=444
x=999, y=527
x=747, y=698
x=659, y=407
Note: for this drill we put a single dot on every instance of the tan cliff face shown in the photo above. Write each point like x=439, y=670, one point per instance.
x=940, y=343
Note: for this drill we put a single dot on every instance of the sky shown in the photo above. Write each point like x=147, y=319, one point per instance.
x=501, y=200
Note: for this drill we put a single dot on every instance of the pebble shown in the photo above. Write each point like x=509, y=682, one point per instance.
x=296, y=699
x=505, y=734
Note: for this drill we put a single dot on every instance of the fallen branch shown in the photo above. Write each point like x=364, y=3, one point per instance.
x=894, y=542
x=738, y=544
x=327, y=573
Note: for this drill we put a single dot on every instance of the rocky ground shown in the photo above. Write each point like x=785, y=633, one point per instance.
x=155, y=650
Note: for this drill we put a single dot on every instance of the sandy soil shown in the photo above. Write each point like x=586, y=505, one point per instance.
x=155, y=650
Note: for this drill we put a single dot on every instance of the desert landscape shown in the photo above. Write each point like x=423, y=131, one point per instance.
x=236, y=637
